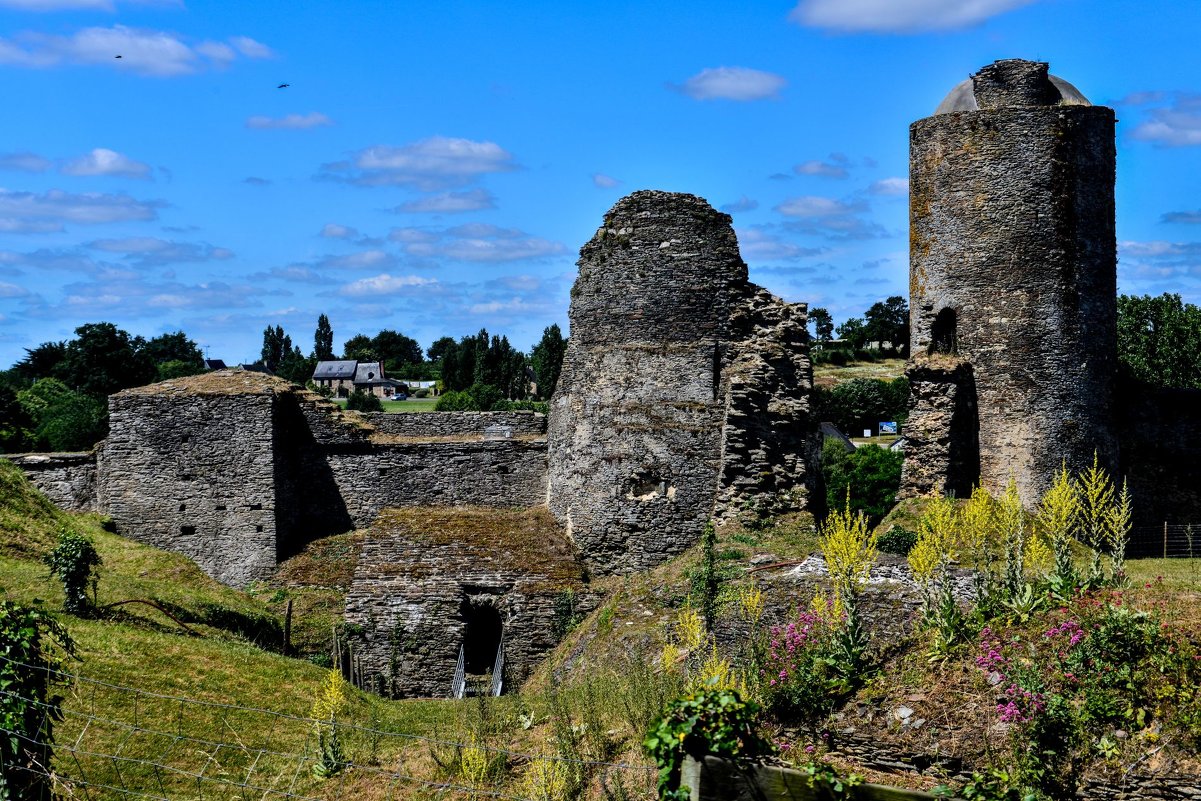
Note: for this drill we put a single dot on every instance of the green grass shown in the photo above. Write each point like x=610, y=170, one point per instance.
x=829, y=375
x=394, y=407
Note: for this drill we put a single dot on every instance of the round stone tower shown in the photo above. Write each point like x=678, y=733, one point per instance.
x=1013, y=273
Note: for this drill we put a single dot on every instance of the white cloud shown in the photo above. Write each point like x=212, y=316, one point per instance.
x=761, y=244
x=475, y=242
x=335, y=231
x=743, y=203
x=834, y=168
x=292, y=122
x=145, y=52
x=432, y=164
x=24, y=162
x=732, y=83
x=250, y=48
x=102, y=161
x=148, y=251
x=812, y=206
x=384, y=284
x=55, y=207
x=899, y=16
x=511, y=306
x=1176, y=124
x=602, y=181
x=890, y=186
x=8, y=290
x=449, y=203
x=1188, y=217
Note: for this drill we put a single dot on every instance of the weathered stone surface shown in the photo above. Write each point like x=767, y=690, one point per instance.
x=1012, y=243
x=239, y=470
x=455, y=424
x=424, y=574
x=67, y=479
x=682, y=384
x=942, y=450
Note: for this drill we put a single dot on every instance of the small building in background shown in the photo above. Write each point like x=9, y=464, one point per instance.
x=369, y=377
x=336, y=376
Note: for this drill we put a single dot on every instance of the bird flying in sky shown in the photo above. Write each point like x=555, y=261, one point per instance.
x=281, y=86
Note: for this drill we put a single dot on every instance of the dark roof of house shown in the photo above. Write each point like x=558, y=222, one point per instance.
x=369, y=373
x=830, y=431
x=329, y=371
x=214, y=364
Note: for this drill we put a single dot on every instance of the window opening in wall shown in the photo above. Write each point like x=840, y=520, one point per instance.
x=258, y=529
x=254, y=507
x=483, y=634
x=185, y=438
x=220, y=507
x=943, y=335
x=183, y=507
x=187, y=531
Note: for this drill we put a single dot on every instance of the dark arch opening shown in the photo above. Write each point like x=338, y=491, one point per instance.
x=482, y=632
x=943, y=335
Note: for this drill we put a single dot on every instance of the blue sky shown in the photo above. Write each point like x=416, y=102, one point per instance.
x=434, y=168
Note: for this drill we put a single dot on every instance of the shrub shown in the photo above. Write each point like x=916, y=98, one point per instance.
x=364, y=402
x=897, y=541
x=796, y=677
x=871, y=474
x=704, y=722
x=421, y=393
x=28, y=707
x=72, y=561
x=455, y=401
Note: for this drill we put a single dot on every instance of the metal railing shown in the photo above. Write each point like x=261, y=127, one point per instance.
x=458, y=687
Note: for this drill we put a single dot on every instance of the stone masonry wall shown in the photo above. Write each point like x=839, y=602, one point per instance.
x=195, y=474
x=498, y=473
x=1012, y=248
x=67, y=479
x=642, y=441
x=419, y=572
x=942, y=437
x=454, y=424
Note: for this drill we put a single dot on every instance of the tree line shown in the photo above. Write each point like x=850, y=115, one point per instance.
x=55, y=397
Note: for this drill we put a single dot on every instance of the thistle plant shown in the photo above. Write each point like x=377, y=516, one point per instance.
x=1057, y=514
x=1096, y=495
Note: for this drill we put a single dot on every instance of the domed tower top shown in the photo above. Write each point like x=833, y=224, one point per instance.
x=1010, y=83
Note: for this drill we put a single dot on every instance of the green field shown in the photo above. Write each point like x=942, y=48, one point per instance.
x=410, y=405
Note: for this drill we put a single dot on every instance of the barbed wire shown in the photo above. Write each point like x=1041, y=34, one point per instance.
x=127, y=742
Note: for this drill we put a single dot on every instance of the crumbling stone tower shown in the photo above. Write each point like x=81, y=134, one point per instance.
x=1012, y=284
x=685, y=389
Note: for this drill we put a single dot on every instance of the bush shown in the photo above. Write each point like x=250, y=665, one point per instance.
x=28, y=709
x=898, y=541
x=871, y=473
x=72, y=561
x=455, y=401
x=364, y=402
x=421, y=393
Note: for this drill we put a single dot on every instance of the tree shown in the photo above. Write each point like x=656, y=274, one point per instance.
x=63, y=420
x=853, y=332
x=41, y=362
x=359, y=348
x=15, y=425
x=871, y=473
x=103, y=359
x=396, y=350
x=323, y=340
x=440, y=348
x=1159, y=340
x=294, y=366
x=176, y=347
x=823, y=324
x=862, y=403
x=547, y=360
x=888, y=321
x=276, y=345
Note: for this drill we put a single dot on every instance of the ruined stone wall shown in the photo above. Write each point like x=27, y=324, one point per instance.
x=500, y=473
x=1012, y=267
x=942, y=436
x=195, y=474
x=417, y=572
x=455, y=424
x=663, y=325
x=67, y=479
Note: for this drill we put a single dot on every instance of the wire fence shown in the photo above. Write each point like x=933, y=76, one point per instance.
x=117, y=742
x=1167, y=541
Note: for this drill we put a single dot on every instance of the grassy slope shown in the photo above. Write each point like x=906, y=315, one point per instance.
x=829, y=375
